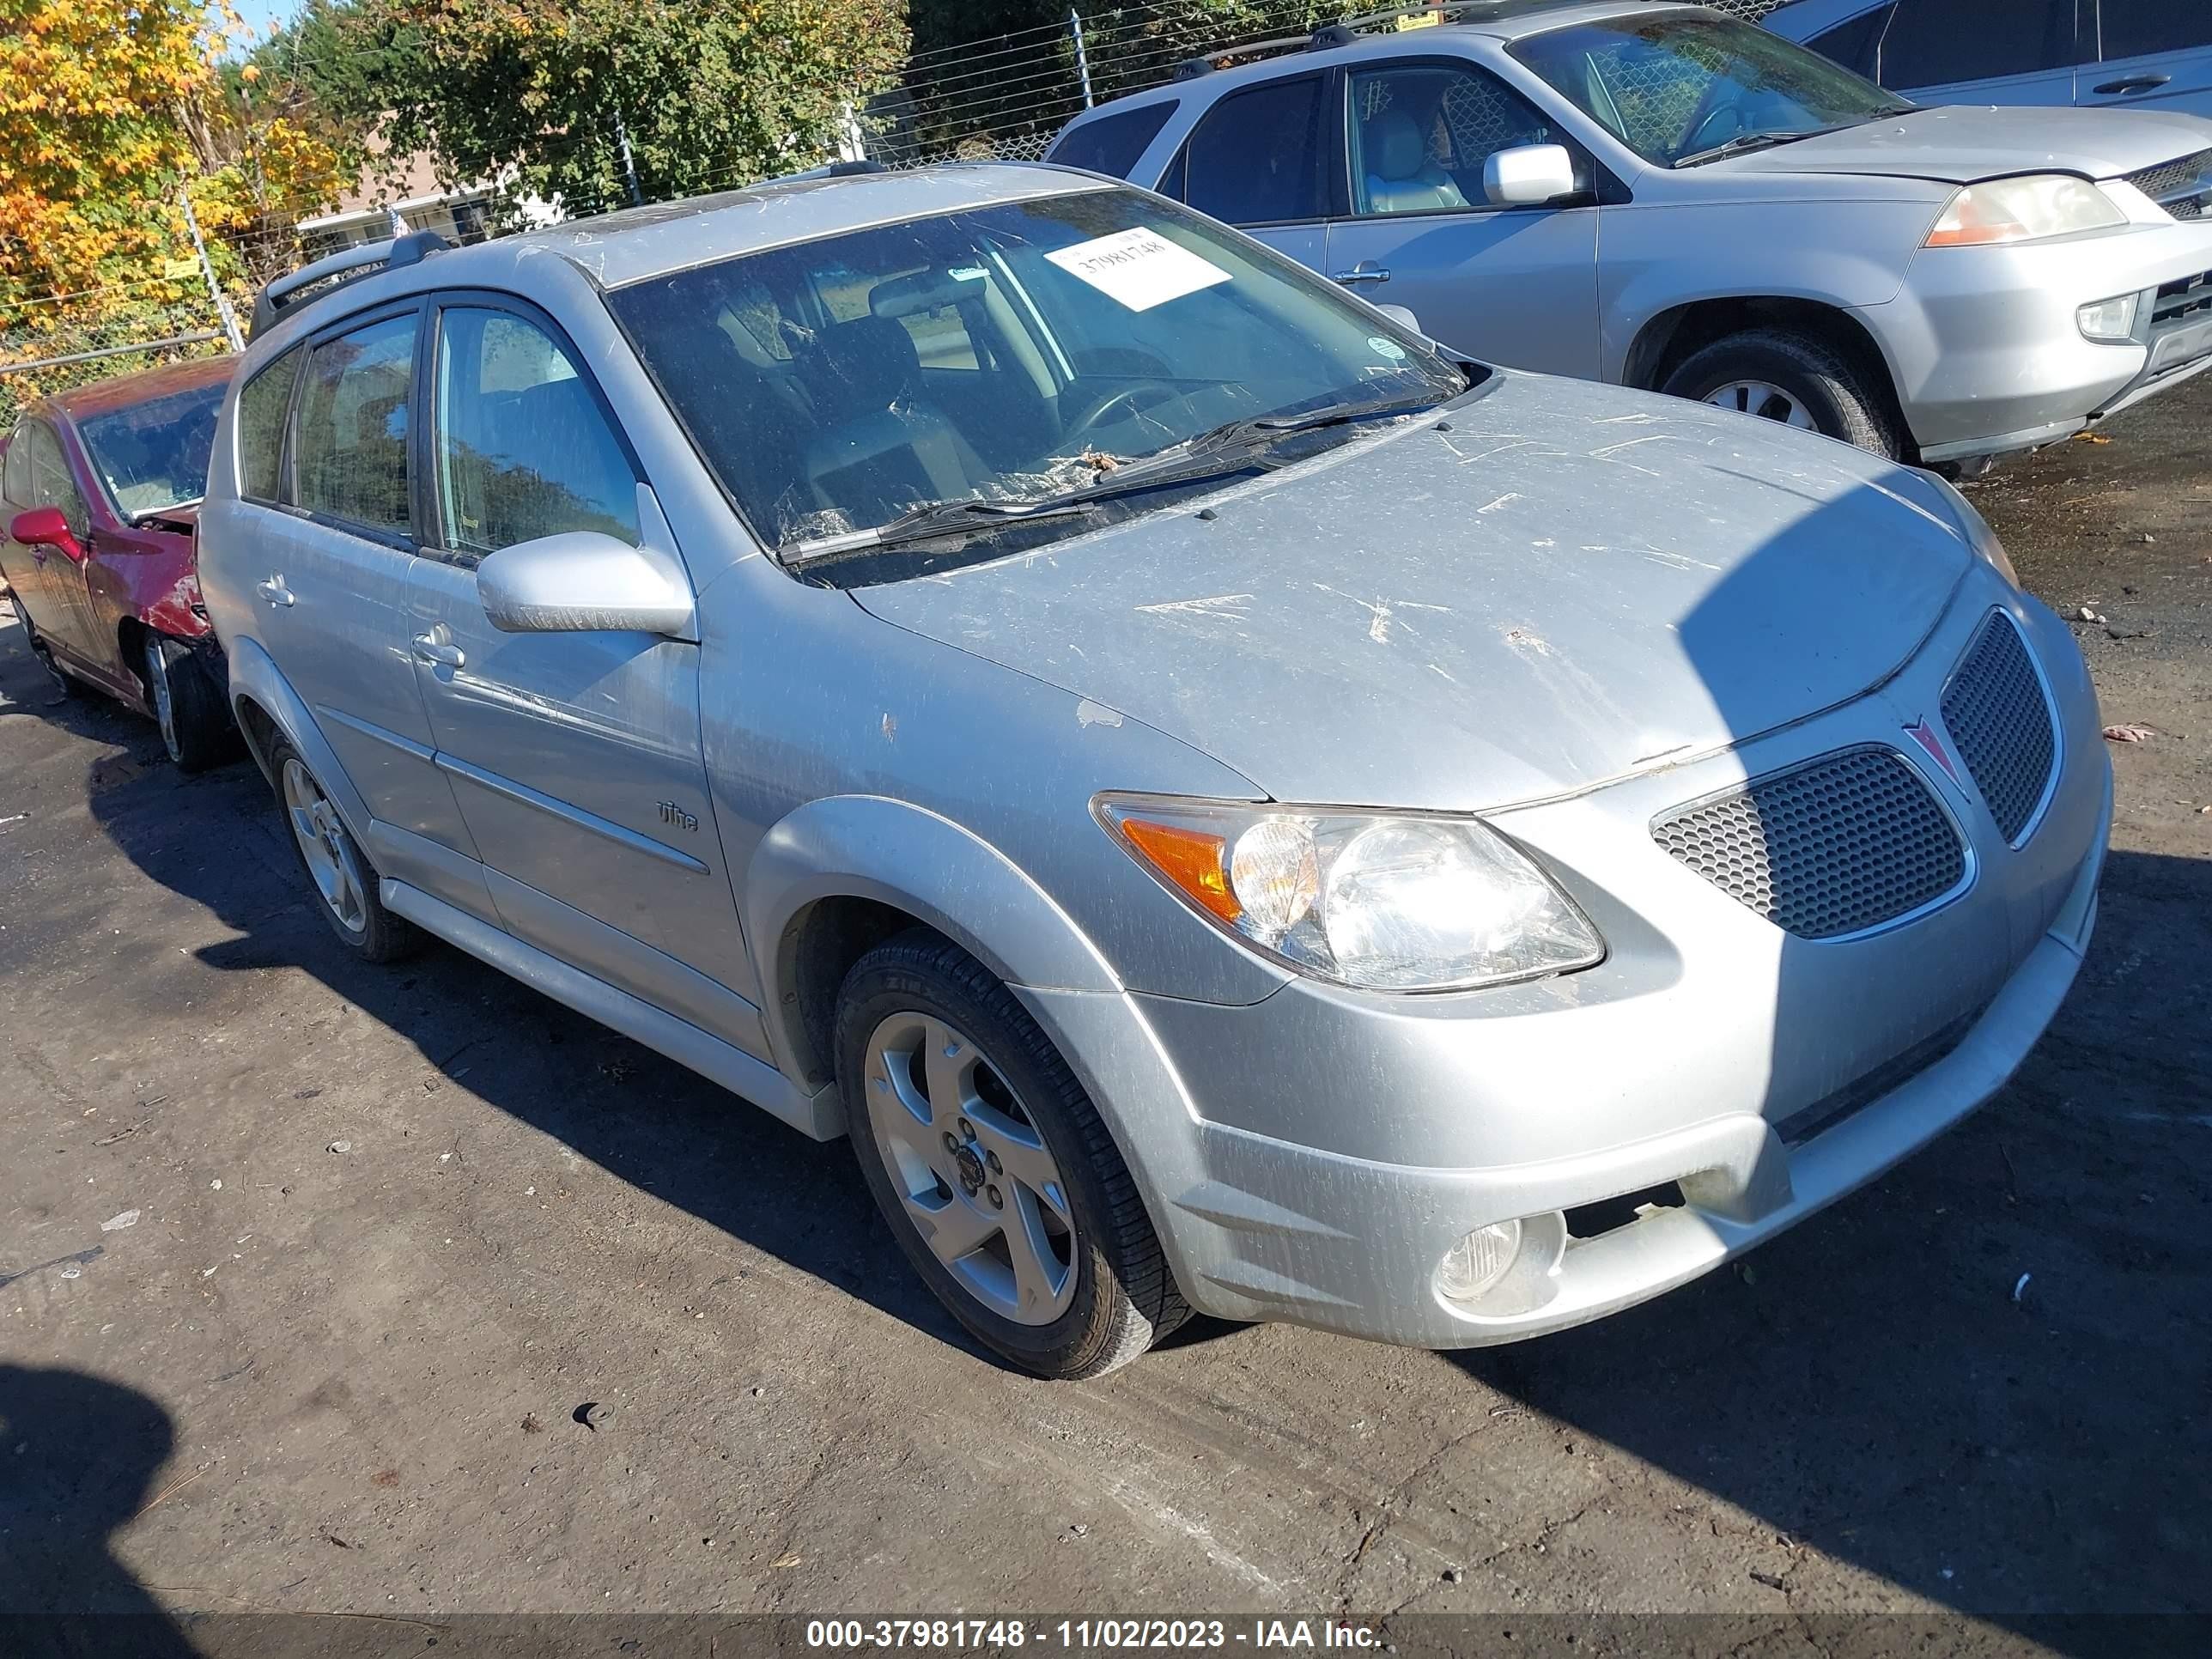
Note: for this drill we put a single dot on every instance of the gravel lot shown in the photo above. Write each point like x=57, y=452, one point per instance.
x=308, y=1273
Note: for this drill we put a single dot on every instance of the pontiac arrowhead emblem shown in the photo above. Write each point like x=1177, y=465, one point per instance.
x=1926, y=736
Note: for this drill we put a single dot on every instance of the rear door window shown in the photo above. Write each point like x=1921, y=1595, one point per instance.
x=1256, y=157
x=1112, y=143
x=1933, y=43
x=352, y=437
x=2136, y=28
x=263, y=404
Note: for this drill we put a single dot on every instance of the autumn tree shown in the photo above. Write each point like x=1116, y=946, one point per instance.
x=706, y=93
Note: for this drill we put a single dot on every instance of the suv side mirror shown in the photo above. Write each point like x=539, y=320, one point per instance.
x=44, y=526
x=1529, y=176
x=582, y=581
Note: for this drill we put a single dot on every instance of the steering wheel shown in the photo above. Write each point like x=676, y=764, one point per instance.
x=1094, y=411
x=1698, y=139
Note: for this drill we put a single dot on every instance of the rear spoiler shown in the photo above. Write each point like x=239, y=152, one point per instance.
x=347, y=266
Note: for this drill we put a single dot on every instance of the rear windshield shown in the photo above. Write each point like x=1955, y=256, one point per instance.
x=1005, y=354
x=1679, y=87
x=153, y=456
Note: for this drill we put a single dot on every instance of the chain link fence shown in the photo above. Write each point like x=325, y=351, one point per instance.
x=1005, y=97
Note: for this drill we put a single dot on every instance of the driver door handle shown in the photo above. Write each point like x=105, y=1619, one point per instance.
x=2133, y=83
x=275, y=592
x=1366, y=272
x=430, y=649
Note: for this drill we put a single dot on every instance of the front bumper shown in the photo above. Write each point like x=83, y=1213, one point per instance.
x=1986, y=352
x=1311, y=1158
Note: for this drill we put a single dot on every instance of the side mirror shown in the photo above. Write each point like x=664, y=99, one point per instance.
x=44, y=526
x=1529, y=176
x=1404, y=317
x=583, y=581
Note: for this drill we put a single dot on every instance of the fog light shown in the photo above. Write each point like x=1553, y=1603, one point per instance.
x=1478, y=1261
x=2111, y=320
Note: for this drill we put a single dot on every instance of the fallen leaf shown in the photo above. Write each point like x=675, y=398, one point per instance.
x=786, y=1561
x=2130, y=733
x=2090, y=438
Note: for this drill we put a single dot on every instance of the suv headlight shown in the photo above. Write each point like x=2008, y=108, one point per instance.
x=2023, y=209
x=1388, y=901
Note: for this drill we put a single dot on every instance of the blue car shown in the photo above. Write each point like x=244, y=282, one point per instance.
x=2114, y=53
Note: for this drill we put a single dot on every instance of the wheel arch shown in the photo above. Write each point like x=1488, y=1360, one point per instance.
x=266, y=707
x=1670, y=337
x=841, y=874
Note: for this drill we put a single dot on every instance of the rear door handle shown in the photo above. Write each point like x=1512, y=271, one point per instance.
x=430, y=649
x=2134, y=83
x=1366, y=272
x=275, y=592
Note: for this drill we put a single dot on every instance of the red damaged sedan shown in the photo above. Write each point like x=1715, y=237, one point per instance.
x=100, y=490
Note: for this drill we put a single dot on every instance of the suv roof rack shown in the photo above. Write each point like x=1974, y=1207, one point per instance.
x=1346, y=32
x=346, y=266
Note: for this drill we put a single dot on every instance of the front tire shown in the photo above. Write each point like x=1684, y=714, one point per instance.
x=188, y=706
x=992, y=1168
x=343, y=880
x=1793, y=379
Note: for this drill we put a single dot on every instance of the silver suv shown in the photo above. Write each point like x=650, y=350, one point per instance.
x=1232, y=808
x=1662, y=196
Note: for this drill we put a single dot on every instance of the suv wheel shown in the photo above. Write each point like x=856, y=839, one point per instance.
x=1790, y=378
x=188, y=705
x=991, y=1166
x=345, y=881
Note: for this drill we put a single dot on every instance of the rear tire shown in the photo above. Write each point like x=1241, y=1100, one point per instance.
x=188, y=706
x=1774, y=371
x=343, y=881
x=1047, y=1254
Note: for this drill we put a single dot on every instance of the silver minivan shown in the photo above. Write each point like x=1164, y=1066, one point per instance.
x=1229, y=806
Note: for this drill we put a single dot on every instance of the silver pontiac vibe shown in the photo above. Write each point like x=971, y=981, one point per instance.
x=1228, y=806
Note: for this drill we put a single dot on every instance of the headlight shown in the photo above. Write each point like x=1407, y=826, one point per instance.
x=2022, y=210
x=1391, y=902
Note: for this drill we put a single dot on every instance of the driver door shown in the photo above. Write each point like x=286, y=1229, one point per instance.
x=576, y=756
x=1516, y=286
x=60, y=604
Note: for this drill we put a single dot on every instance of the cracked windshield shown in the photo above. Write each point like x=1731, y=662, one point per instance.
x=921, y=378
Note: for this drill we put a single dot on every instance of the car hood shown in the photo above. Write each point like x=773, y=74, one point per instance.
x=1960, y=144
x=1571, y=584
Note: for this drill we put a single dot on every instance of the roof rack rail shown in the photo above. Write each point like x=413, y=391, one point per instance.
x=1346, y=31
x=347, y=266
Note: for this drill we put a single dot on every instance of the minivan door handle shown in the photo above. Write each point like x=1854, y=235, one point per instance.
x=2133, y=83
x=430, y=649
x=1366, y=272
x=275, y=592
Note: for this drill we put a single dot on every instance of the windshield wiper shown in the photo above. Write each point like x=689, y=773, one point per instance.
x=1189, y=462
x=1744, y=142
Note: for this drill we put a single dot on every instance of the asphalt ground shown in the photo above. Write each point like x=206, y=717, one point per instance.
x=402, y=1296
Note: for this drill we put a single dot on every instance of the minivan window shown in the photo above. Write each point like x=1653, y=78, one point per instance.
x=1932, y=43
x=1255, y=158
x=263, y=403
x=153, y=456
x=523, y=449
x=352, y=441
x=1112, y=143
x=1677, y=86
x=2134, y=28
x=1008, y=353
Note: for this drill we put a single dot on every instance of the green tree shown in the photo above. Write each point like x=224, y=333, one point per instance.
x=709, y=93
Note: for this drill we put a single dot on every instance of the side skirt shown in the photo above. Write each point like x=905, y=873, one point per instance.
x=820, y=1115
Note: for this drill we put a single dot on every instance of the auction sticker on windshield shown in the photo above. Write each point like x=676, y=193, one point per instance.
x=1140, y=268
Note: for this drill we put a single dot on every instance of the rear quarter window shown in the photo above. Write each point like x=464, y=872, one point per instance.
x=261, y=406
x=1112, y=143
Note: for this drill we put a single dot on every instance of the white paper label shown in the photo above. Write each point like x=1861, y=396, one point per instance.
x=1140, y=268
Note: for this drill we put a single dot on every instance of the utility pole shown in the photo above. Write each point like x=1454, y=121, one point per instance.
x=630, y=164
x=207, y=270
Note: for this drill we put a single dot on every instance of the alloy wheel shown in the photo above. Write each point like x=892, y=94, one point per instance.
x=331, y=862
x=157, y=681
x=970, y=1170
x=1765, y=400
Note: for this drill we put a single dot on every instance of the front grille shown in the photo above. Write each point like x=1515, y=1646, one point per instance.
x=2187, y=301
x=1834, y=847
x=1823, y=1114
x=2183, y=188
x=1996, y=713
